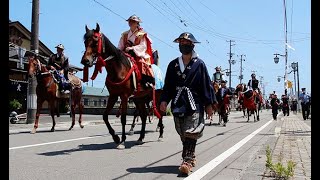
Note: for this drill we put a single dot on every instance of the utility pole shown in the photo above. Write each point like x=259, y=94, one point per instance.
x=286, y=48
x=32, y=97
x=230, y=61
x=241, y=76
x=298, y=86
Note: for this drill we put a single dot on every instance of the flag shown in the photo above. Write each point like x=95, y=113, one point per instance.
x=289, y=84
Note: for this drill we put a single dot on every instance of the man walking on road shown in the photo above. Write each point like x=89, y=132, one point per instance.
x=305, y=103
x=188, y=85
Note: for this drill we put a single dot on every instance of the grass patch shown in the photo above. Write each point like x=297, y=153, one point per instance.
x=279, y=170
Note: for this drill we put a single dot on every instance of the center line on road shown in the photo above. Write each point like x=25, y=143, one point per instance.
x=54, y=142
x=201, y=172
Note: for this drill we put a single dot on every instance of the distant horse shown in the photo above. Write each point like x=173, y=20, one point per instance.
x=120, y=81
x=248, y=101
x=47, y=90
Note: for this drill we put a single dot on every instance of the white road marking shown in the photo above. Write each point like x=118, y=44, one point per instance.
x=54, y=142
x=200, y=173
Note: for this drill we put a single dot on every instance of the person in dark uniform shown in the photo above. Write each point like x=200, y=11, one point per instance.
x=189, y=89
x=275, y=102
x=223, y=92
x=59, y=62
x=305, y=103
x=285, y=104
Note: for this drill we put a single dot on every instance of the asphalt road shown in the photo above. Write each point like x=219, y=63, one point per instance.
x=90, y=153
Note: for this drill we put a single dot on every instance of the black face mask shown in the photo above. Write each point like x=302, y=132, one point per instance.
x=185, y=48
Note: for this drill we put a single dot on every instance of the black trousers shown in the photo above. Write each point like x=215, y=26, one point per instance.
x=305, y=110
x=274, y=112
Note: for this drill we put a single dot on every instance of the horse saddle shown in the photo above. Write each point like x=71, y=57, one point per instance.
x=248, y=94
x=74, y=81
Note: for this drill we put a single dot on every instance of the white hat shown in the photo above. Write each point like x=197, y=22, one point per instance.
x=60, y=46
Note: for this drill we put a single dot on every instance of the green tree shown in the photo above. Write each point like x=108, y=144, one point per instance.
x=14, y=105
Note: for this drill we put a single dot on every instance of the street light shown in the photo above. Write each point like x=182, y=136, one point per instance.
x=295, y=67
x=279, y=78
x=276, y=60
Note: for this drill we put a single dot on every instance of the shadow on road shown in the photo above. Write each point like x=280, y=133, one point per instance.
x=156, y=169
x=88, y=147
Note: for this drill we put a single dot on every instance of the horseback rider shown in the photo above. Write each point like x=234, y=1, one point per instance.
x=218, y=75
x=136, y=43
x=59, y=63
x=188, y=85
x=253, y=85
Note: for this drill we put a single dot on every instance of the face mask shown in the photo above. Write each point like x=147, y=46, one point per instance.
x=185, y=48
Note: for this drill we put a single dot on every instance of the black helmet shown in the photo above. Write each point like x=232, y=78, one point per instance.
x=253, y=74
x=134, y=18
x=187, y=36
x=223, y=81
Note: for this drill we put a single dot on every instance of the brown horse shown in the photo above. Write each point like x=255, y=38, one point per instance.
x=249, y=101
x=46, y=90
x=120, y=81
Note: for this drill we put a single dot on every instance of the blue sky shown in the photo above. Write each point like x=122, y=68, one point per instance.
x=256, y=27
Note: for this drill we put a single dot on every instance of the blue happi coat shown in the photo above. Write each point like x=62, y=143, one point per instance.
x=188, y=88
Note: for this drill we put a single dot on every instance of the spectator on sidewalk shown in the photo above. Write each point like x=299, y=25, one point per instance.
x=305, y=103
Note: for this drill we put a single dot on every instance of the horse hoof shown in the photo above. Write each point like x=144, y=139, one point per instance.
x=160, y=139
x=121, y=146
x=131, y=132
x=33, y=131
x=139, y=142
x=70, y=128
x=52, y=130
x=82, y=126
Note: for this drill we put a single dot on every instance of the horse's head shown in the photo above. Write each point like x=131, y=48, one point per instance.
x=34, y=66
x=239, y=88
x=93, y=46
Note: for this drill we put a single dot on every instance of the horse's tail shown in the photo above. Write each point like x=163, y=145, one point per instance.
x=155, y=109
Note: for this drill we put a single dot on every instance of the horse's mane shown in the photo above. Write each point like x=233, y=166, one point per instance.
x=110, y=49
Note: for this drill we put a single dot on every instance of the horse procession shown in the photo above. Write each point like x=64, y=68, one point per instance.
x=130, y=78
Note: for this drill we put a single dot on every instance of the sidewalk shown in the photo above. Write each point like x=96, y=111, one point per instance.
x=293, y=143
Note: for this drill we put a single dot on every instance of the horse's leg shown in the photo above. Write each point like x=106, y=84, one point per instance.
x=161, y=126
x=72, y=104
x=124, y=103
x=248, y=114
x=36, y=122
x=143, y=115
x=111, y=101
x=80, y=106
x=135, y=116
x=52, y=108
